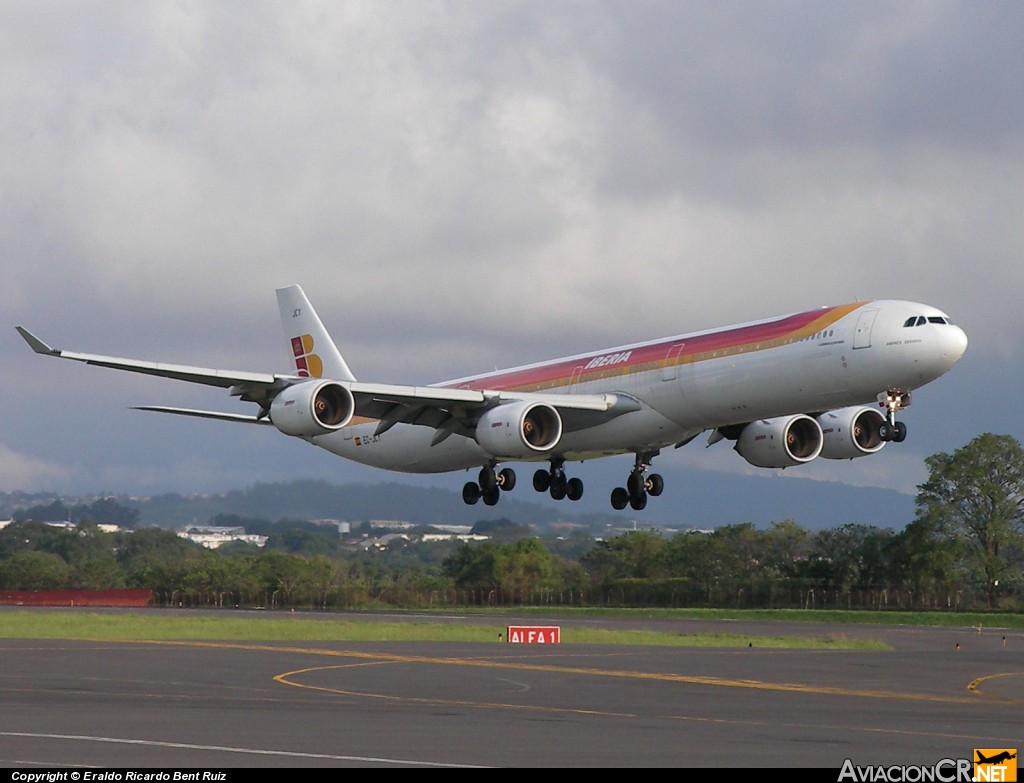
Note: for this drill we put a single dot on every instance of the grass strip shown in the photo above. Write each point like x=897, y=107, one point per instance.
x=133, y=626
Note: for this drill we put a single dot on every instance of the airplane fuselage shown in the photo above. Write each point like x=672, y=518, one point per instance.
x=805, y=363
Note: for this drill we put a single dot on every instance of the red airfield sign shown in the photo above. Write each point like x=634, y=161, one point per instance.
x=534, y=634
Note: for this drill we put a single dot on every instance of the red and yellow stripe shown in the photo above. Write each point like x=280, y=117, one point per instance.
x=665, y=353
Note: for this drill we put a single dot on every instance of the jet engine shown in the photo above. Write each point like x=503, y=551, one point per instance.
x=851, y=432
x=312, y=408
x=519, y=430
x=780, y=443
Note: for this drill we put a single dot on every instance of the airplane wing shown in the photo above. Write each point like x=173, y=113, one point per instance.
x=447, y=410
x=223, y=378
x=219, y=415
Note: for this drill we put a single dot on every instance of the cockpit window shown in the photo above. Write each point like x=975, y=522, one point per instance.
x=920, y=320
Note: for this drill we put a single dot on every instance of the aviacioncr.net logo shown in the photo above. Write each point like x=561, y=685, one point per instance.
x=995, y=764
x=943, y=771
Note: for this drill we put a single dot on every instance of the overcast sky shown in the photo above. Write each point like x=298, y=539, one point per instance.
x=467, y=185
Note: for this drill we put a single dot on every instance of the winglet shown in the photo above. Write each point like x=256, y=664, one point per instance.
x=35, y=343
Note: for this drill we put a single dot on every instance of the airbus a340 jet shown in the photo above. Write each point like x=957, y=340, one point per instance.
x=822, y=383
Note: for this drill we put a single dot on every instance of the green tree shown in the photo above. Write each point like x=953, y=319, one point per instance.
x=523, y=567
x=785, y=547
x=638, y=554
x=30, y=570
x=472, y=566
x=976, y=495
x=154, y=559
x=927, y=565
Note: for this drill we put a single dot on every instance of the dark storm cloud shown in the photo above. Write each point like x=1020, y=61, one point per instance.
x=461, y=185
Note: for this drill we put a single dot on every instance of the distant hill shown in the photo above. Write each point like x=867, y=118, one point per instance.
x=693, y=499
x=709, y=501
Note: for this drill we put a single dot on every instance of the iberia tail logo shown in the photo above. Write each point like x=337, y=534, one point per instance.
x=307, y=363
x=995, y=764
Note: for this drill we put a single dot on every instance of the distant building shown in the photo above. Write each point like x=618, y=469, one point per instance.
x=458, y=530
x=432, y=537
x=64, y=524
x=391, y=524
x=343, y=528
x=384, y=542
x=212, y=536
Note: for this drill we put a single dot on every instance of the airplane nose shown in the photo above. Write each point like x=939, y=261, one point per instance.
x=953, y=345
x=957, y=344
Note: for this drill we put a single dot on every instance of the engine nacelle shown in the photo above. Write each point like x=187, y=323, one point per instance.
x=780, y=443
x=519, y=430
x=312, y=408
x=851, y=432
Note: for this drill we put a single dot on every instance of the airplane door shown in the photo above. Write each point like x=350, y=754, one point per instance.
x=575, y=379
x=862, y=332
x=670, y=370
x=669, y=395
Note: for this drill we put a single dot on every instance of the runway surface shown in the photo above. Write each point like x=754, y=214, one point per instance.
x=225, y=705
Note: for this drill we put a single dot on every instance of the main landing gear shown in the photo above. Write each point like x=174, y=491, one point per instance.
x=893, y=400
x=638, y=486
x=555, y=483
x=489, y=486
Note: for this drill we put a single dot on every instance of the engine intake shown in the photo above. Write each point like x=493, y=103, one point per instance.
x=780, y=443
x=312, y=408
x=519, y=430
x=851, y=432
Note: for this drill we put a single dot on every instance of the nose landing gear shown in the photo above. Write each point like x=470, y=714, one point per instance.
x=893, y=400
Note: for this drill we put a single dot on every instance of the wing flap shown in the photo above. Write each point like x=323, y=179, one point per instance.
x=455, y=410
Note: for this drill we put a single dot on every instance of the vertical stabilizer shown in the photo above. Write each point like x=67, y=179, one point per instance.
x=313, y=352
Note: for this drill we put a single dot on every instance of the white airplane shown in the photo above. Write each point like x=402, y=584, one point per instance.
x=826, y=382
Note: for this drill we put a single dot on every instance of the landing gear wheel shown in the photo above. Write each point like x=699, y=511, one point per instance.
x=635, y=482
x=620, y=498
x=487, y=478
x=541, y=480
x=470, y=493
x=507, y=479
x=491, y=496
x=899, y=432
x=574, y=489
x=885, y=431
x=655, y=485
x=638, y=502
x=558, y=486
